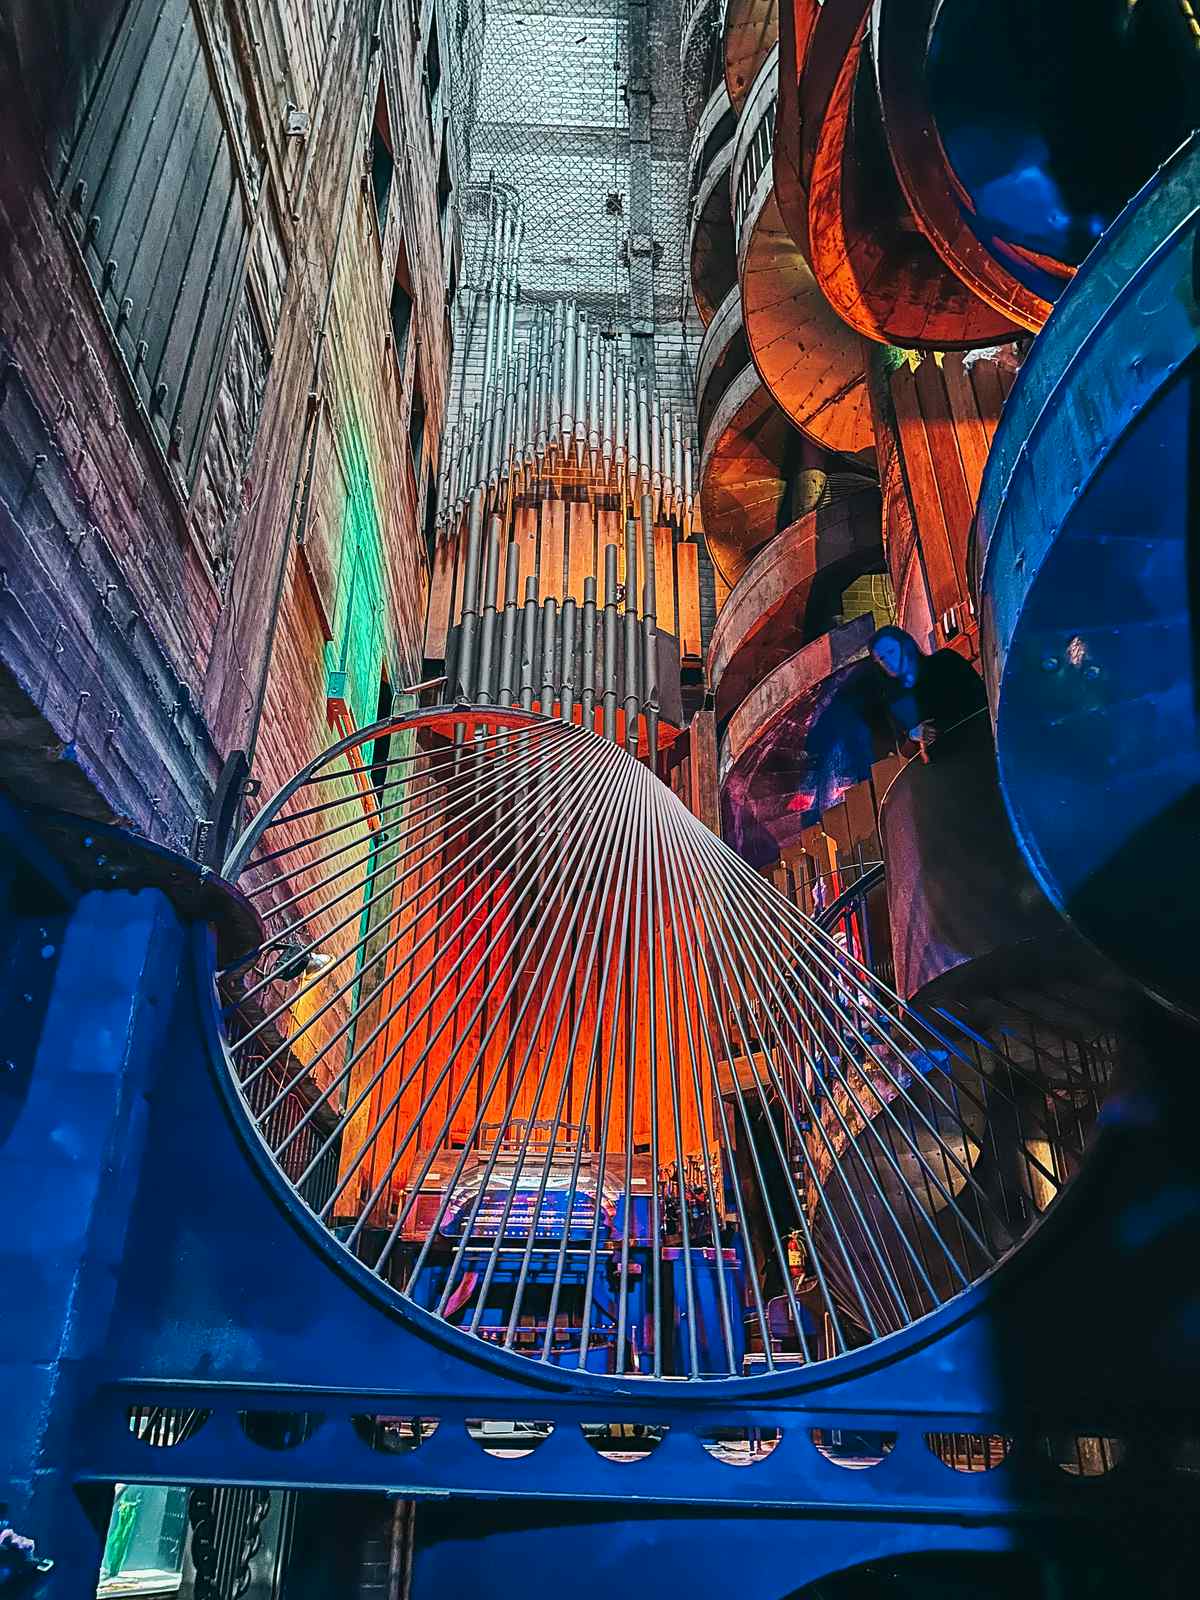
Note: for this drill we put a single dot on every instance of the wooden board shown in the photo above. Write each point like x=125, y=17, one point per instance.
x=550, y=562
x=581, y=531
x=664, y=577
x=690, y=645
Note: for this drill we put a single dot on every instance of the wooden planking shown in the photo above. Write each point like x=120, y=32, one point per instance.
x=582, y=539
x=690, y=641
x=860, y=813
x=441, y=591
x=972, y=435
x=525, y=533
x=611, y=530
x=664, y=577
x=704, y=792
x=550, y=560
x=941, y=434
x=946, y=582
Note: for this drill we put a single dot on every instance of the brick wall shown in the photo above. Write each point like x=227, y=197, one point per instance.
x=135, y=606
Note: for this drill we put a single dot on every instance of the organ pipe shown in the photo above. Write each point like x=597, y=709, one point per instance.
x=570, y=451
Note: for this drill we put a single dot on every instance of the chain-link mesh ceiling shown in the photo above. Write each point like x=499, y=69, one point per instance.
x=539, y=96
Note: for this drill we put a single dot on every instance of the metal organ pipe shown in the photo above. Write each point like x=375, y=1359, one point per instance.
x=562, y=410
x=566, y=676
x=487, y=624
x=649, y=630
x=566, y=409
x=610, y=641
x=508, y=629
x=593, y=408
x=470, y=598
x=631, y=638
x=549, y=653
x=587, y=693
x=581, y=388
x=493, y=288
x=529, y=622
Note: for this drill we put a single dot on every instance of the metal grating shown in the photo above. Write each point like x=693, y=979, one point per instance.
x=597, y=1094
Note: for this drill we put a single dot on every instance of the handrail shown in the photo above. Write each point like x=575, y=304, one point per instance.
x=859, y=890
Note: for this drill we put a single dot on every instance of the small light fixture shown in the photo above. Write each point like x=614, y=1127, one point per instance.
x=295, y=962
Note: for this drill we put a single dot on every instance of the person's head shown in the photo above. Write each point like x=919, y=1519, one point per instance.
x=896, y=654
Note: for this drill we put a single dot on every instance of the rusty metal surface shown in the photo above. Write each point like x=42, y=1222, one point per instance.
x=878, y=271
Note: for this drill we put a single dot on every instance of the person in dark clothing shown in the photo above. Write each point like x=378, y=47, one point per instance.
x=932, y=700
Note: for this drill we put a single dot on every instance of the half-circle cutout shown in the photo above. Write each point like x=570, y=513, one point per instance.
x=970, y=1452
x=279, y=1430
x=394, y=1436
x=1084, y=1455
x=624, y=1441
x=508, y=1441
x=162, y=1427
x=855, y=1449
x=739, y=1447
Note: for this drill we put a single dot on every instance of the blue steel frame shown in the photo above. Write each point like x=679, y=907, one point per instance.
x=1084, y=561
x=232, y=1299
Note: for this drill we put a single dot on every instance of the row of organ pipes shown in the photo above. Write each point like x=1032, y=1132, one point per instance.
x=567, y=401
x=566, y=529
x=568, y=661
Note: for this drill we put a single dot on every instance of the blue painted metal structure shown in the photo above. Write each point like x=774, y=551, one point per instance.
x=230, y=1300
x=1085, y=564
x=198, y=1284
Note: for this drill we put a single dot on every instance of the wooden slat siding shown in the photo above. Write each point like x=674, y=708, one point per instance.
x=609, y=530
x=860, y=813
x=582, y=537
x=704, y=797
x=836, y=824
x=801, y=868
x=526, y=534
x=664, y=578
x=990, y=391
x=87, y=38
x=550, y=561
x=437, y=621
x=884, y=774
x=936, y=544
x=972, y=435
x=690, y=645
x=941, y=432
x=162, y=182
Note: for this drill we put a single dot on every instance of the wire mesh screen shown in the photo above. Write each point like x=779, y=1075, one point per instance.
x=563, y=1071
x=540, y=95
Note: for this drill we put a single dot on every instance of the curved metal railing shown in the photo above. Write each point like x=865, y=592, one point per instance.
x=568, y=1075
